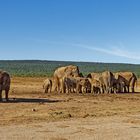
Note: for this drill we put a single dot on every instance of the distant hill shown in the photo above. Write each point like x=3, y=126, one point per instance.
x=46, y=68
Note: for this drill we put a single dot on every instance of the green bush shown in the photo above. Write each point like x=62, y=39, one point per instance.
x=37, y=68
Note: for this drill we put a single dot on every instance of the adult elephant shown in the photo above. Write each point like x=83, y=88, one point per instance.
x=122, y=85
x=67, y=71
x=4, y=84
x=108, y=80
x=129, y=80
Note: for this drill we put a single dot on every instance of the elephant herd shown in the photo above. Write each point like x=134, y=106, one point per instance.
x=68, y=79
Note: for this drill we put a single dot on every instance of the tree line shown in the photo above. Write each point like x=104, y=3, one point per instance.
x=38, y=68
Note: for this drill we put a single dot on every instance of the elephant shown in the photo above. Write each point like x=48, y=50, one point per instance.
x=67, y=71
x=98, y=77
x=5, y=82
x=95, y=86
x=70, y=70
x=121, y=83
x=47, y=85
x=105, y=79
x=83, y=85
x=108, y=80
x=75, y=84
x=127, y=80
x=69, y=84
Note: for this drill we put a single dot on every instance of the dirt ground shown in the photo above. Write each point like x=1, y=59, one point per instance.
x=31, y=114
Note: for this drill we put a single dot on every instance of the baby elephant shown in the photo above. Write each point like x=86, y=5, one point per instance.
x=47, y=85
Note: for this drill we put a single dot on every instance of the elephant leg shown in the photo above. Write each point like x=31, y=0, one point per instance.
x=77, y=89
x=6, y=94
x=0, y=95
x=50, y=89
x=46, y=89
x=133, y=85
x=102, y=90
x=60, y=88
x=125, y=89
x=57, y=88
x=109, y=90
x=73, y=90
x=132, y=88
x=63, y=88
x=92, y=89
x=96, y=90
x=122, y=89
x=128, y=88
x=83, y=89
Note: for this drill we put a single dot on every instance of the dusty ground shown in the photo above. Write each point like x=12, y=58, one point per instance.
x=31, y=114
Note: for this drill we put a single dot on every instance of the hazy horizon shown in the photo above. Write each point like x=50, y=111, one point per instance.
x=75, y=30
x=69, y=61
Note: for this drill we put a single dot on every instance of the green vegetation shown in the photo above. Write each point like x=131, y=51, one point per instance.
x=46, y=68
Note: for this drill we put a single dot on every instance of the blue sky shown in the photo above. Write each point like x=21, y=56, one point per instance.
x=73, y=30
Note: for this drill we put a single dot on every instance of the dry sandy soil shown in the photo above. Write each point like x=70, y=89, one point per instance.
x=31, y=114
